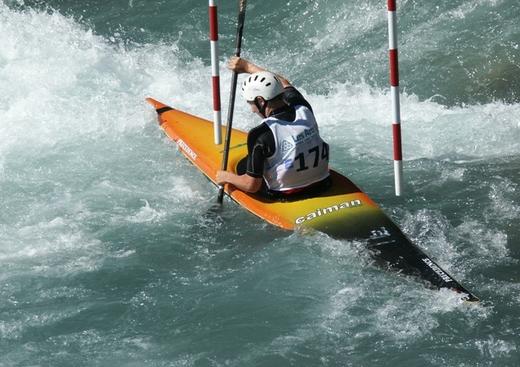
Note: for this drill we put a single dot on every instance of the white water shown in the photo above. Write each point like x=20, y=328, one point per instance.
x=82, y=163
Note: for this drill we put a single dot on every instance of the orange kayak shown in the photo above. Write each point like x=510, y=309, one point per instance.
x=343, y=211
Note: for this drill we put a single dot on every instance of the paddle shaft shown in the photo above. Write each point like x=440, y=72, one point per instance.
x=231, y=106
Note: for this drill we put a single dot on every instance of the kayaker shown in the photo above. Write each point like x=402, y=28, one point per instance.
x=286, y=155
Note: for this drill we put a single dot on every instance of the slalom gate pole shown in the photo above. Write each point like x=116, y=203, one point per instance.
x=240, y=29
x=215, y=75
x=394, y=89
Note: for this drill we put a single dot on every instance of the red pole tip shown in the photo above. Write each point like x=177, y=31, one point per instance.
x=213, y=24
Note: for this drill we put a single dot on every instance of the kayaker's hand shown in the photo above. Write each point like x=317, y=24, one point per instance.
x=221, y=177
x=238, y=65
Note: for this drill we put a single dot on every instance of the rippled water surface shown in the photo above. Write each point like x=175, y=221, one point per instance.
x=110, y=254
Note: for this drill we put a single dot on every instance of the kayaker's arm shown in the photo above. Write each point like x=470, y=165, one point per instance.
x=240, y=65
x=242, y=182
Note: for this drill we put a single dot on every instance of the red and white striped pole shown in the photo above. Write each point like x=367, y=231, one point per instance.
x=394, y=89
x=215, y=74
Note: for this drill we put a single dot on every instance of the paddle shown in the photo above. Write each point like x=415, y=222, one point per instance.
x=231, y=106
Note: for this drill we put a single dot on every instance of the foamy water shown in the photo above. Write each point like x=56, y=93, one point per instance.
x=109, y=255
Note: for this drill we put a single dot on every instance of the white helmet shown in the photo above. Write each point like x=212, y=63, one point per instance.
x=263, y=84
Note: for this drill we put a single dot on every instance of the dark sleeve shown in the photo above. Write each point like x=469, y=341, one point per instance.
x=260, y=145
x=293, y=98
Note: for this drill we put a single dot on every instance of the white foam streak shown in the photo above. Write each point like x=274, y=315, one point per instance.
x=358, y=117
x=59, y=81
x=504, y=196
x=66, y=82
x=492, y=347
x=54, y=247
x=146, y=214
x=486, y=243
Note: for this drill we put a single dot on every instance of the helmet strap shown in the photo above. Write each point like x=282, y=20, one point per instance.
x=261, y=108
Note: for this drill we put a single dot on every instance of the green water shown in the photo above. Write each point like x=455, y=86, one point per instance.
x=108, y=254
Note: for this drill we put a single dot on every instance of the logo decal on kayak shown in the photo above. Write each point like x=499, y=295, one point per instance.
x=437, y=270
x=331, y=209
x=381, y=232
x=186, y=149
